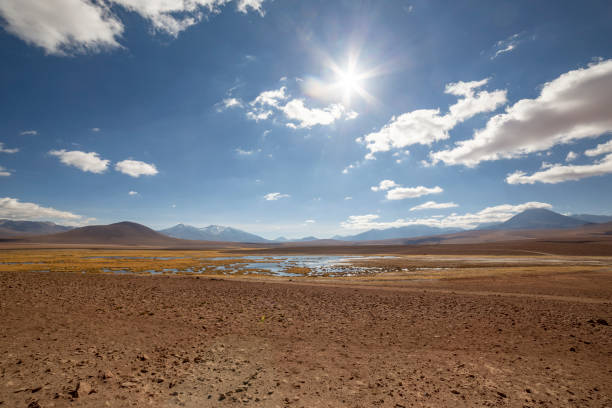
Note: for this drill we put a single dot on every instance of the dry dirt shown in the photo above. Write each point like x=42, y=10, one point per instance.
x=94, y=340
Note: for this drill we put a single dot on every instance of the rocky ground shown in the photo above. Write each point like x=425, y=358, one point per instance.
x=90, y=340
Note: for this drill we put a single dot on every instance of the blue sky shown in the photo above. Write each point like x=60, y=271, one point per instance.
x=303, y=118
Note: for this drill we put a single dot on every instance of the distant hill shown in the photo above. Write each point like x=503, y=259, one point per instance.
x=211, y=233
x=12, y=228
x=121, y=233
x=597, y=219
x=399, y=232
x=539, y=218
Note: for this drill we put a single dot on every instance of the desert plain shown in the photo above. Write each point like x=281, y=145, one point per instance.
x=95, y=327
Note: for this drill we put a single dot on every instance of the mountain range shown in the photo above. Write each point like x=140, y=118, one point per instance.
x=212, y=233
x=12, y=228
x=532, y=219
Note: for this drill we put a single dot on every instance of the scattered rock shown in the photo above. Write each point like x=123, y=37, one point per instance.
x=143, y=357
x=34, y=404
x=83, y=389
x=128, y=384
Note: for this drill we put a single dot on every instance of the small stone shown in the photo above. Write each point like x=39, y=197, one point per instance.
x=128, y=384
x=501, y=394
x=107, y=375
x=83, y=389
x=143, y=357
x=602, y=322
x=573, y=349
x=34, y=404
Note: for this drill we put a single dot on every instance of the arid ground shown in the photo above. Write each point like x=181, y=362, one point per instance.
x=428, y=331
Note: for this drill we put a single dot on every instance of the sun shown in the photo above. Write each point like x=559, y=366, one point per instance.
x=349, y=82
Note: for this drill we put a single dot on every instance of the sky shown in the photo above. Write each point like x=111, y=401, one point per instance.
x=296, y=118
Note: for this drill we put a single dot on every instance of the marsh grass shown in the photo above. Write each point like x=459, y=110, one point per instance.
x=215, y=263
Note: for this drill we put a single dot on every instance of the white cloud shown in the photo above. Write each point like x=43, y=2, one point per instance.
x=425, y=126
x=14, y=209
x=559, y=173
x=229, y=103
x=62, y=26
x=90, y=162
x=496, y=214
x=275, y=196
x=4, y=172
x=95, y=129
x=242, y=152
x=432, y=205
x=72, y=26
x=295, y=110
x=255, y=5
x=397, y=192
x=6, y=150
x=29, y=133
x=600, y=149
x=576, y=105
x=348, y=198
x=270, y=98
x=401, y=193
x=384, y=185
x=571, y=156
x=310, y=221
x=133, y=193
x=136, y=168
x=308, y=117
x=507, y=45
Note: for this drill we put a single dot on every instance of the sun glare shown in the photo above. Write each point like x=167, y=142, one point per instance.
x=349, y=82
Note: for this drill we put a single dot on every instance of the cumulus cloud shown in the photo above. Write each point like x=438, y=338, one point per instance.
x=310, y=221
x=432, y=205
x=384, y=185
x=255, y=5
x=275, y=196
x=71, y=26
x=90, y=161
x=397, y=192
x=348, y=198
x=576, y=105
x=600, y=149
x=14, y=209
x=4, y=172
x=558, y=173
x=29, y=133
x=95, y=129
x=571, y=156
x=136, y=168
x=496, y=214
x=62, y=26
x=295, y=110
x=401, y=193
x=270, y=98
x=133, y=193
x=425, y=126
x=7, y=150
x=229, y=103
